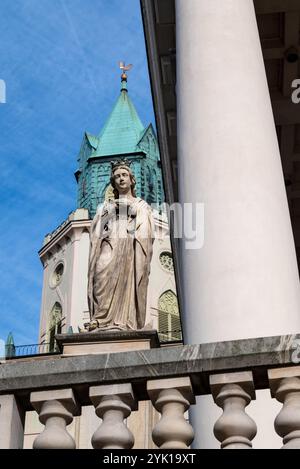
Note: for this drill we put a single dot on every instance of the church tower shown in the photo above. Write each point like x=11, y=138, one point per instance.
x=124, y=136
x=65, y=251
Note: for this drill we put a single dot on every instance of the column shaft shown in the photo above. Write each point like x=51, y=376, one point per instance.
x=244, y=281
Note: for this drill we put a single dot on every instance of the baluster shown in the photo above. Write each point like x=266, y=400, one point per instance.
x=285, y=387
x=233, y=392
x=56, y=410
x=113, y=403
x=172, y=397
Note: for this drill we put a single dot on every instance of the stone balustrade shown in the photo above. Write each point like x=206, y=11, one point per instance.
x=170, y=378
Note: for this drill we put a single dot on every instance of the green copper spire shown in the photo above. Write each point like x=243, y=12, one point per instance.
x=123, y=128
x=123, y=135
x=10, y=346
x=10, y=339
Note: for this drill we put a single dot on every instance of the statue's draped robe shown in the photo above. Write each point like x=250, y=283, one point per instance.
x=119, y=266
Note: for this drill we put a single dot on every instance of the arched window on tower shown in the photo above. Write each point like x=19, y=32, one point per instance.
x=54, y=326
x=169, y=327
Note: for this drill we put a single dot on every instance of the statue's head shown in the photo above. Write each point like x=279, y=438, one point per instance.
x=122, y=178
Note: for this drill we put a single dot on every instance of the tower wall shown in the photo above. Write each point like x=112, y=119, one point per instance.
x=68, y=246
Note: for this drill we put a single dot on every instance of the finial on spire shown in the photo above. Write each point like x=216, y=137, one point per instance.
x=124, y=68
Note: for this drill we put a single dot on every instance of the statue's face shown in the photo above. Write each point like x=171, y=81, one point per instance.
x=122, y=180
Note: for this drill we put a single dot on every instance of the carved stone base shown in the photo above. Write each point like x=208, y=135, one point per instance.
x=108, y=341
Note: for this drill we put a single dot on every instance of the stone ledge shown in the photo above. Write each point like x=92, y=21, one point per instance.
x=196, y=361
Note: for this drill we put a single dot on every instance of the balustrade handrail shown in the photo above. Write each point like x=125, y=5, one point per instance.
x=170, y=377
x=28, y=350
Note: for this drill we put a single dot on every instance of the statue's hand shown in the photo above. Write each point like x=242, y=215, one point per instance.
x=108, y=213
x=132, y=211
x=111, y=209
x=127, y=206
x=122, y=203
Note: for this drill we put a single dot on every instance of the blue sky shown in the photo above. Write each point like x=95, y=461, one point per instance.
x=59, y=60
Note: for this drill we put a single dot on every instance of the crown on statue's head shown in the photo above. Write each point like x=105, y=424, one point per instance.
x=120, y=164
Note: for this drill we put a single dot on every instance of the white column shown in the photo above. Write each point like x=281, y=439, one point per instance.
x=244, y=281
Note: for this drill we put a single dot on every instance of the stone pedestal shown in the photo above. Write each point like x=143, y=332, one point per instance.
x=110, y=341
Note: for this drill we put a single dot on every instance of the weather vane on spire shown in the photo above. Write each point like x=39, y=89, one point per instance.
x=124, y=69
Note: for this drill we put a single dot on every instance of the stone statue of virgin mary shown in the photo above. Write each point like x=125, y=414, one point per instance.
x=121, y=236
